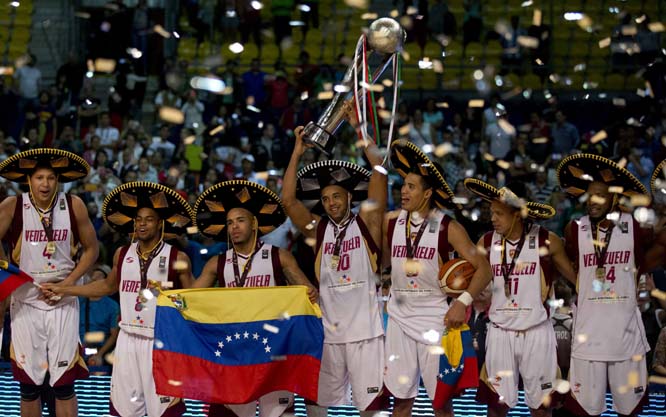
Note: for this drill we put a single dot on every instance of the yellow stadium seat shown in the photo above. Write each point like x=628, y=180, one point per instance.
x=532, y=81
x=614, y=82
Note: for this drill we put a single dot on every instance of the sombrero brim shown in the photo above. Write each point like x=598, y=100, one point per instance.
x=407, y=157
x=67, y=165
x=489, y=193
x=658, y=181
x=315, y=177
x=576, y=172
x=123, y=202
x=213, y=206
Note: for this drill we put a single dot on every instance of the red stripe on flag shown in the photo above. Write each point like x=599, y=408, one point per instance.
x=12, y=282
x=206, y=381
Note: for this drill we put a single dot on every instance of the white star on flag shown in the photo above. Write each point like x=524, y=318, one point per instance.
x=462, y=366
x=237, y=336
x=264, y=341
x=441, y=375
x=246, y=335
x=218, y=353
x=220, y=344
x=446, y=371
x=267, y=349
x=255, y=336
x=228, y=338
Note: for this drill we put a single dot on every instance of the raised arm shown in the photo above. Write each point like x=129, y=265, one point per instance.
x=305, y=221
x=560, y=258
x=459, y=239
x=373, y=214
x=208, y=274
x=294, y=274
x=88, y=240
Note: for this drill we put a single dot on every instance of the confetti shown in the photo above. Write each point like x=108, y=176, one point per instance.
x=180, y=265
x=359, y=4
x=369, y=16
x=581, y=338
x=325, y=95
x=175, y=383
x=161, y=31
x=93, y=337
x=536, y=17
x=476, y=103
x=656, y=27
x=209, y=83
x=271, y=328
x=605, y=43
x=403, y=380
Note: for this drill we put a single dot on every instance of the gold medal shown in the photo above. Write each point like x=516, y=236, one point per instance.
x=335, y=259
x=50, y=248
x=507, y=288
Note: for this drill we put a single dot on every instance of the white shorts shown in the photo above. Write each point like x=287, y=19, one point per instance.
x=273, y=404
x=132, y=384
x=406, y=361
x=359, y=363
x=46, y=340
x=530, y=354
x=627, y=381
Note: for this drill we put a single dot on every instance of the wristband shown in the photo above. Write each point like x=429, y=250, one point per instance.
x=465, y=298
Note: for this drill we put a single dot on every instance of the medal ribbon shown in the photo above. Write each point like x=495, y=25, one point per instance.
x=240, y=279
x=411, y=247
x=506, y=272
x=601, y=252
x=144, y=264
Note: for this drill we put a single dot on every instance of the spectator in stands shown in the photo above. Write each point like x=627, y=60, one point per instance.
x=472, y=23
x=247, y=170
x=562, y=320
x=48, y=124
x=498, y=137
x=421, y=133
x=434, y=116
x=512, y=57
x=68, y=141
x=249, y=23
x=298, y=114
x=108, y=134
x=167, y=97
x=193, y=111
x=73, y=72
x=254, y=84
x=28, y=79
x=310, y=16
x=520, y=169
x=8, y=115
x=441, y=22
x=145, y=171
x=565, y=135
x=281, y=11
x=304, y=74
x=98, y=327
x=659, y=361
x=478, y=323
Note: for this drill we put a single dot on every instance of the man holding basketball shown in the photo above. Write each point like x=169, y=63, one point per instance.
x=607, y=247
x=521, y=340
x=419, y=240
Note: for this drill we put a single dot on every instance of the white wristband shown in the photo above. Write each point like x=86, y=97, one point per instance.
x=465, y=298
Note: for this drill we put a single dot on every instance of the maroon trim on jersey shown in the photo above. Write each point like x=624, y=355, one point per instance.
x=20, y=375
x=16, y=227
x=175, y=410
x=641, y=238
x=572, y=405
x=72, y=220
x=545, y=260
x=372, y=245
x=319, y=235
x=173, y=274
x=487, y=243
x=443, y=246
x=278, y=273
x=390, y=231
x=221, y=260
x=381, y=402
x=79, y=370
x=112, y=409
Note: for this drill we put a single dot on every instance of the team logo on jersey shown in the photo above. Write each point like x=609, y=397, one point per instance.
x=512, y=252
x=62, y=205
x=532, y=242
x=165, y=400
x=638, y=390
x=548, y=385
x=373, y=390
x=345, y=279
x=129, y=260
x=264, y=254
x=624, y=226
x=26, y=206
x=162, y=262
x=63, y=364
x=401, y=221
x=412, y=284
x=584, y=228
x=576, y=388
x=283, y=400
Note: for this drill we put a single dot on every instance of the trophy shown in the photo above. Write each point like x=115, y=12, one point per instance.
x=384, y=37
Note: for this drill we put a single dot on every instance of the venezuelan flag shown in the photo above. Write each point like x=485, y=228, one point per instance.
x=11, y=278
x=233, y=345
x=457, y=366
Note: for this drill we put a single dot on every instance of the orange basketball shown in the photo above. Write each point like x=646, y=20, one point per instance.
x=455, y=275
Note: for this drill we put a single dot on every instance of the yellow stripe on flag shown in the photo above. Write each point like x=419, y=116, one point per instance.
x=452, y=344
x=235, y=305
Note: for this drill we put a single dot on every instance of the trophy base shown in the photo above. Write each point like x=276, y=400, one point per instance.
x=318, y=136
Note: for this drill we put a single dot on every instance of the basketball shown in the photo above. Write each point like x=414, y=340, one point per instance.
x=455, y=275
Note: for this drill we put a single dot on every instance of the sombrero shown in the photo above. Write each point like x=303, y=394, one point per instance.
x=658, y=181
x=510, y=197
x=67, y=165
x=408, y=158
x=315, y=177
x=576, y=172
x=120, y=207
x=214, y=204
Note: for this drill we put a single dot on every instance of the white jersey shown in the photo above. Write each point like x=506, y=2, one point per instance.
x=608, y=325
x=266, y=270
x=417, y=303
x=528, y=286
x=138, y=317
x=29, y=250
x=348, y=290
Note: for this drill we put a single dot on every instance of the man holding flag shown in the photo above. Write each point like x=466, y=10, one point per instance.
x=46, y=232
x=151, y=213
x=241, y=211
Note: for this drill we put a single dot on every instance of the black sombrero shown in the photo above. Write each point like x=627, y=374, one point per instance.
x=510, y=197
x=408, y=158
x=315, y=177
x=67, y=165
x=658, y=181
x=214, y=204
x=123, y=202
x=576, y=172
